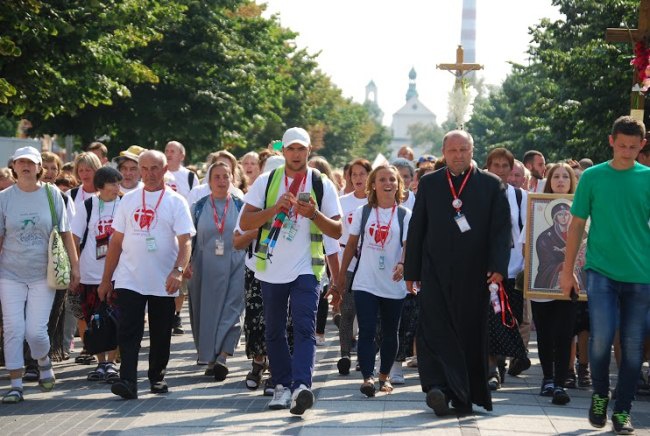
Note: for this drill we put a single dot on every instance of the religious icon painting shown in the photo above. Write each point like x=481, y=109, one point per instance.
x=549, y=216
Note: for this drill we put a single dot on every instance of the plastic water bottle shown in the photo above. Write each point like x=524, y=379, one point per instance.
x=494, y=297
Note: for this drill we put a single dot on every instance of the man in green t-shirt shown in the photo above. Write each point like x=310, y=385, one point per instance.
x=615, y=195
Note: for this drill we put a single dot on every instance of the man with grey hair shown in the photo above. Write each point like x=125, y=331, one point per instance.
x=458, y=243
x=147, y=254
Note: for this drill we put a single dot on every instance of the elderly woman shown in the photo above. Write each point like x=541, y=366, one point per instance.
x=216, y=272
x=25, y=226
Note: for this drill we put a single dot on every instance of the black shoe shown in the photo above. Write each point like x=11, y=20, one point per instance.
x=461, y=408
x=269, y=387
x=622, y=423
x=517, y=366
x=177, y=329
x=584, y=376
x=548, y=387
x=570, y=382
x=437, y=400
x=159, y=387
x=560, y=396
x=494, y=382
x=343, y=365
x=220, y=371
x=125, y=389
x=598, y=410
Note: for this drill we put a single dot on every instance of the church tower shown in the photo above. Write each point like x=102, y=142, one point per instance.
x=412, y=92
x=468, y=32
x=372, y=102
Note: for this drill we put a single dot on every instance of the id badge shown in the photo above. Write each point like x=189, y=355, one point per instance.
x=462, y=223
x=101, y=248
x=382, y=262
x=151, y=244
x=219, y=247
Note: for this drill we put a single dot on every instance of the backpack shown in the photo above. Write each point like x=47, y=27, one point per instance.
x=190, y=179
x=198, y=208
x=519, y=196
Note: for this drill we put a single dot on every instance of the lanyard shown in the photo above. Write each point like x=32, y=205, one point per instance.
x=457, y=203
x=505, y=308
x=144, y=207
x=384, y=236
x=101, y=206
x=300, y=188
x=220, y=224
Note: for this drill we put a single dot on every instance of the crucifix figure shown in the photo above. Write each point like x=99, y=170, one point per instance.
x=459, y=69
x=459, y=98
x=642, y=33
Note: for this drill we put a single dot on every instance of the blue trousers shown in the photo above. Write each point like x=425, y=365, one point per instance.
x=616, y=305
x=302, y=294
x=389, y=311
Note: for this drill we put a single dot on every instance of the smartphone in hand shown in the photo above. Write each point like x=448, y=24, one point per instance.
x=304, y=197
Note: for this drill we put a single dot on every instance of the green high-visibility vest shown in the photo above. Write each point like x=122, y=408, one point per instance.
x=316, y=236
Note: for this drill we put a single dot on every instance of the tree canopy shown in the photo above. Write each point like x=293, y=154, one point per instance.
x=564, y=102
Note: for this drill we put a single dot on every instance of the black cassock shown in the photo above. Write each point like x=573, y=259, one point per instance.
x=452, y=334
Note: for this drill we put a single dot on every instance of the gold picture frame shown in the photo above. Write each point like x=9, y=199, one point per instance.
x=546, y=225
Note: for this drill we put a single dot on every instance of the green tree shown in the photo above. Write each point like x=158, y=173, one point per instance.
x=427, y=134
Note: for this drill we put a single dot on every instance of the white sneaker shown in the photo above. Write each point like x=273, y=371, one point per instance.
x=397, y=374
x=320, y=340
x=281, y=398
x=301, y=400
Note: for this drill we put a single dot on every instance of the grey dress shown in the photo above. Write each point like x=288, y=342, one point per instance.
x=217, y=285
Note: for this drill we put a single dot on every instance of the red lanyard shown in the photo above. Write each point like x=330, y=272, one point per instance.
x=384, y=236
x=144, y=206
x=220, y=224
x=505, y=307
x=457, y=203
x=300, y=188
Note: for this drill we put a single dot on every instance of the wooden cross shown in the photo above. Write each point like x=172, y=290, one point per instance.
x=642, y=33
x=459, y=69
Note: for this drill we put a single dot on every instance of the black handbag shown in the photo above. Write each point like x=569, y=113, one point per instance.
x=101, y=332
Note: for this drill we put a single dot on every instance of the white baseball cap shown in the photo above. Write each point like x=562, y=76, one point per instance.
x=28, y=153
x=296, y=135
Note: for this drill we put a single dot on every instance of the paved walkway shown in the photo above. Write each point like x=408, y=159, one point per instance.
x=195, y=404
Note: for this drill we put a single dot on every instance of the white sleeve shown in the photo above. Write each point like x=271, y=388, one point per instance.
x=330, y=205
x=355, y=225
x=183, y=219
x=407, y=220
x=119, y=219
x=331, y=245
x=78, y=224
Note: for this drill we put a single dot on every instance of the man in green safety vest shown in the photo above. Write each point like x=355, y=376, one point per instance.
x=293, y=207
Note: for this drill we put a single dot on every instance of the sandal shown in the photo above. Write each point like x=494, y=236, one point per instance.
x=31, y=373
x=46, y=384
x=368, y=387
x=84, y=358
x=13, y=396
x=97, y=374
x=112, y=374
x=385, y=386
x=254, y=377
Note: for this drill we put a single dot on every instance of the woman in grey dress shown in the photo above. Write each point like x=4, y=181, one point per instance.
x=216, y=284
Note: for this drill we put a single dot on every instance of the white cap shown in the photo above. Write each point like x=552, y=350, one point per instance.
x=296, y=135
x=28, y=153
x=272, y=163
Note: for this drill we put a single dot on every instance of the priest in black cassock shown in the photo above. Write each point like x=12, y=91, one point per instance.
x=459, y=241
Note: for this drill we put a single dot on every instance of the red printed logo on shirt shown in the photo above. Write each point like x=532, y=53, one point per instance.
x=378, y=233
x=350, y=217
x=145, y=218
x=172, y=184
x=105, y=226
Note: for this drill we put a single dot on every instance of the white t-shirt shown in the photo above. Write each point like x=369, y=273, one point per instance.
x=127, y=190
x=516, y=263
x=140, y=269
x=178, y=181
x=100, y=223
x=291, y=259
x=370, y=277
x=410, y=201
x=79, y=199
x=349, y=204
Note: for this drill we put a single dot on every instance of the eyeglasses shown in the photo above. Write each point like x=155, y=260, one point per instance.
x=428, y=158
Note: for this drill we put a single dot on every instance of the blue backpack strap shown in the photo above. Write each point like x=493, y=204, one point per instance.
x=239, y=203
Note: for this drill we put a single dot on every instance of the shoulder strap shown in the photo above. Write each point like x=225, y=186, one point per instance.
x=74, y=192
x=401, y=213
x=50, y=200
x=238, y=202
x=198, y=208
x=65, y=199
x=365, y=213
x=317, y=186
x=190, y=179
x=88, y=204
x=266, y=194
x=519, y=196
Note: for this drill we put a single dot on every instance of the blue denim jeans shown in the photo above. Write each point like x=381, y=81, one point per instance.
x=609, y=302
x=302, y=294
x=369, y=306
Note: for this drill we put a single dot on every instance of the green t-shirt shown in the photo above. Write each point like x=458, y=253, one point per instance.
x=618, y=203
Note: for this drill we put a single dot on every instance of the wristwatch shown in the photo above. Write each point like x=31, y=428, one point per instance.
x=179, y=269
